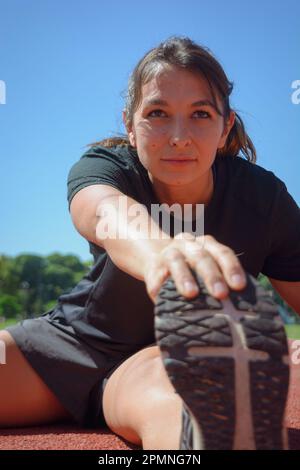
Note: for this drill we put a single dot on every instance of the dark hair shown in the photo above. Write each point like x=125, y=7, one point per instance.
x=184, y=53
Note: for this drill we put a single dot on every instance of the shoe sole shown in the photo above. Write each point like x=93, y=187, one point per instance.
x=228, y=361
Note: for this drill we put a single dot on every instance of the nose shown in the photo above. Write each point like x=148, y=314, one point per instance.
x=179, y=135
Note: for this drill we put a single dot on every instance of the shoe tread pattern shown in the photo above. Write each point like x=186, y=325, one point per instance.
x=207, y=384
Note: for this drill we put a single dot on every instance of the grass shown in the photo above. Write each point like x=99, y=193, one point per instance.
x=293, y=331
x=11, y=321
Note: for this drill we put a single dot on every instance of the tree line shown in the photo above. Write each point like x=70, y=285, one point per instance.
x=30, y=284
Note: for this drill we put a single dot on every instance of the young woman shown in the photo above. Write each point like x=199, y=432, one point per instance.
x=169, y=340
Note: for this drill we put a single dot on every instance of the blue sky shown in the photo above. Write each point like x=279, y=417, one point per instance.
x=66, y=64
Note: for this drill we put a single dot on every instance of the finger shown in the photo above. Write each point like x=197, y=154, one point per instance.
x=154, y=279
x=205, y=265
x=180, y=239
x=228, y=262
x=180, y=272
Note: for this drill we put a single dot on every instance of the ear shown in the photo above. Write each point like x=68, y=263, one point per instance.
x=130, y=132
x=227, y=128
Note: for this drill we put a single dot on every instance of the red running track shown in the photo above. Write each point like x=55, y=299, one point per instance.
x=70, y=437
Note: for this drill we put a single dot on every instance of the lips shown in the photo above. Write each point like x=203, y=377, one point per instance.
x=179, y=159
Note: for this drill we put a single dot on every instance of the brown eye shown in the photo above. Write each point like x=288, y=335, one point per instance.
x=203, y=112
x=155, y=111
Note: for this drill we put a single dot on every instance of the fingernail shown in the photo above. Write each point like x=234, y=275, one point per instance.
x=219, y=288
x=238, y=279
x=190, y=286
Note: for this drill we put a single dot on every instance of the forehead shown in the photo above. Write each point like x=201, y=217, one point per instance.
x=173, y=82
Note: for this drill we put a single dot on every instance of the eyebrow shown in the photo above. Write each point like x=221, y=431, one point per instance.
x=158, y=102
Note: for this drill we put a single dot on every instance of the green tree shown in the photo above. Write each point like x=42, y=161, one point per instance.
x=9, y=280
x=36, y=282
x=9, y=306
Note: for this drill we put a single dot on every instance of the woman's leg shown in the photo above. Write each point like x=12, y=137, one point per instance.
x=25, y=400
x=140, y=404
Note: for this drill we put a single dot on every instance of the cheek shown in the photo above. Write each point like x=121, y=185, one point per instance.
x=150, y=142
x=154, y=136
x=148, y=133
x=208, y=136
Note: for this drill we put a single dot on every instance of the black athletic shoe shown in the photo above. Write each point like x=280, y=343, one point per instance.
x=190, y=437
x=228, y=361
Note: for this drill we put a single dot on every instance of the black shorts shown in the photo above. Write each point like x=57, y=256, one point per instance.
x=73, y=370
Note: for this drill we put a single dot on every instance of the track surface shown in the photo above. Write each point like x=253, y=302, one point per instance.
x=66, y=436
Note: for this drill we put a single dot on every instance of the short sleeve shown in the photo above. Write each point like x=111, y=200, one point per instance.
x=99, y=166
x=283, y=260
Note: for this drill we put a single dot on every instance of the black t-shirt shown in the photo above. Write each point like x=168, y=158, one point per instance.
x=250, y=211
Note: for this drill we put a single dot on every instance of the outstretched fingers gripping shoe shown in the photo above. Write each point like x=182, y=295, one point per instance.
x=228, y=361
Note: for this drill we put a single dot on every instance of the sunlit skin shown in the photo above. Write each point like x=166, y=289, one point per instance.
x=178, y=129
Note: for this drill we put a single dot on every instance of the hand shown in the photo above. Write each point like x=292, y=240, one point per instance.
x=216, y=263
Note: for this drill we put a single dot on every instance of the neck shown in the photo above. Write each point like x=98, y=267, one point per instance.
x=199, y=191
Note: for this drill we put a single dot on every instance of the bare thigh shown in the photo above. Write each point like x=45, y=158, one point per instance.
x=138, y=395
x=24, y=398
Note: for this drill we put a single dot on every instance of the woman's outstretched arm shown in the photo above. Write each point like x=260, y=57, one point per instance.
x=105, y=216
x=124, y=228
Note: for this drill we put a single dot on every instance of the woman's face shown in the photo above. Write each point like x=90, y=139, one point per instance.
x=177, y=138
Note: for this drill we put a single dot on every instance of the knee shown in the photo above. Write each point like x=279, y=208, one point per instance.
x=138, y=385
x=158, y=392
x=140, y=397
